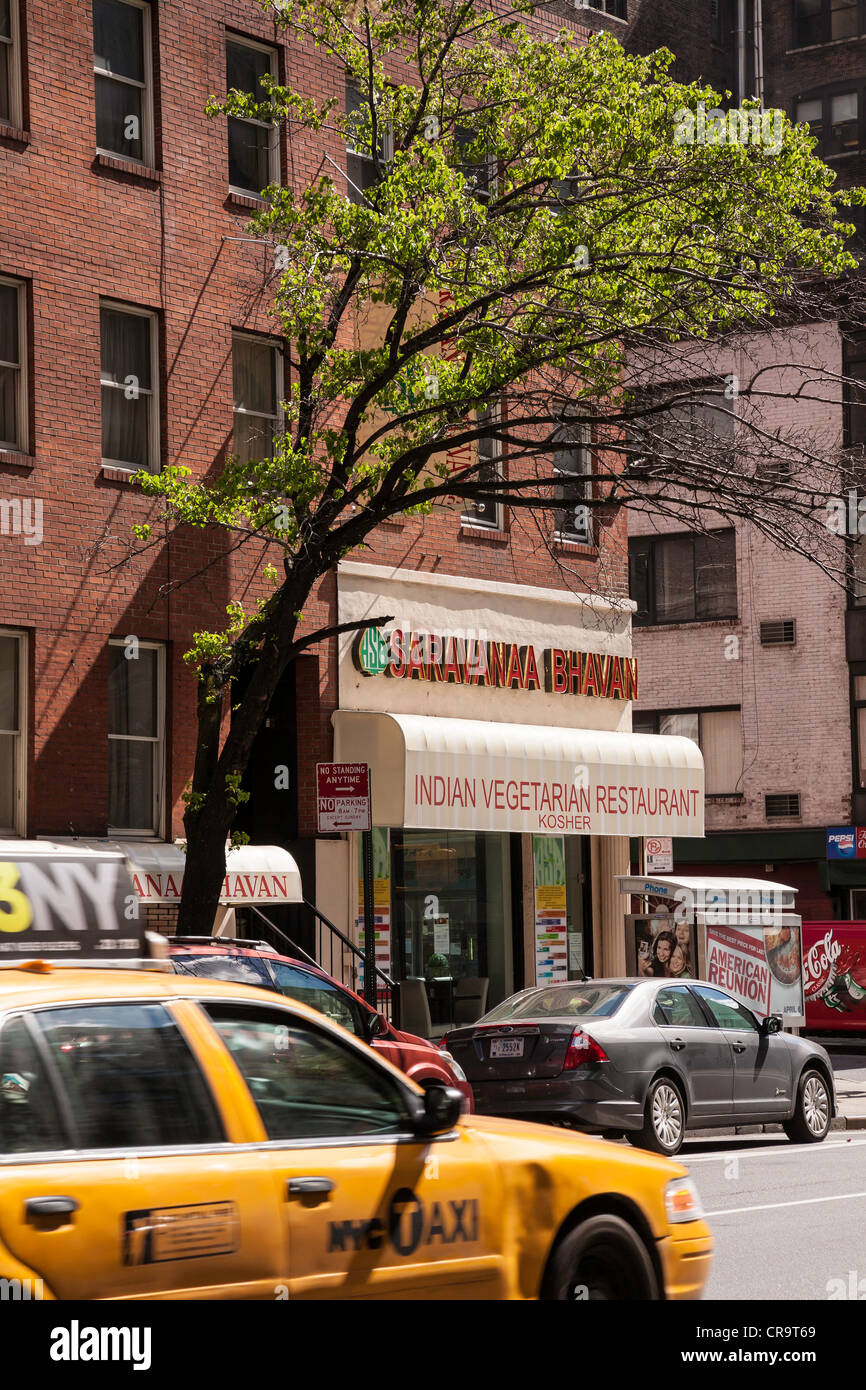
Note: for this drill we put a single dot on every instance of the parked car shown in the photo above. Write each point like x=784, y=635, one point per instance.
x=650, y=1059
x=256, y=963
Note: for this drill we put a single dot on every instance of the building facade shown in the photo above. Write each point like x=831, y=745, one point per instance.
x=135, y=333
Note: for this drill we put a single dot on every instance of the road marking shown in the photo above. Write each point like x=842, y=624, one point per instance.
x=774, y=1206
x=775, y=1145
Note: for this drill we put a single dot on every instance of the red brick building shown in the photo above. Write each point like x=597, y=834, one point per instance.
x=135, y=332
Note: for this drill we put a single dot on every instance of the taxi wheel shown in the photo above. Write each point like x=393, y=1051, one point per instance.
x=811, y=1119
x=602, y=1260
x=664, y=1119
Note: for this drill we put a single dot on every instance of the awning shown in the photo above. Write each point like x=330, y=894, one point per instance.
x=254, y=873
x=464, y=774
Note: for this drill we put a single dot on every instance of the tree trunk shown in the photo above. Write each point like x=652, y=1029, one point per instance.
x=208, y=826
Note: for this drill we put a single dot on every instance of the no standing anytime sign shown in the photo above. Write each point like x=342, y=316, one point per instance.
x=343, y=796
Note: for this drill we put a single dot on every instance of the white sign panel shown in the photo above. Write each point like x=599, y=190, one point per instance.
x=659, y=854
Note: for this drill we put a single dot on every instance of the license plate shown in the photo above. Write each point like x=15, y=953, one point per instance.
x=506, y=1047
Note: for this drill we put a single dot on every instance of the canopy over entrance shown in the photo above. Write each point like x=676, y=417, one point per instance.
x=465, y=774
x=254, y=873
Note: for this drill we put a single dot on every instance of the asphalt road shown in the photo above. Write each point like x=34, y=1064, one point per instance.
x=789, y=1220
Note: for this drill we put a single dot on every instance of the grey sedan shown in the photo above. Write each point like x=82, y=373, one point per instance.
x=650, y=1059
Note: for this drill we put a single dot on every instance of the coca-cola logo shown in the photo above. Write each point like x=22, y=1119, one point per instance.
x=819, y=966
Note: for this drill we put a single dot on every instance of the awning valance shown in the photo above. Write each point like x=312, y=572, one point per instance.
x=467, y=774
x=254, y=873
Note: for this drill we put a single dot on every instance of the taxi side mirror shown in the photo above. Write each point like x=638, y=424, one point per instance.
x=770, y=1025
x=439, y=1111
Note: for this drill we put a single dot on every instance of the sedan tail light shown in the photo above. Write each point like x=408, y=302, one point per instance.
x=582, y=1049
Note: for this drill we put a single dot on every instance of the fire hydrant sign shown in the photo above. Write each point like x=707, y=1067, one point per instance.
x=343, y=796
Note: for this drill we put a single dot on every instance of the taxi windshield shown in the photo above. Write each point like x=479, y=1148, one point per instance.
x=558, y=1000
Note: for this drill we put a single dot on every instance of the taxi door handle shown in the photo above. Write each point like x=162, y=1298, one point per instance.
x=303, y=1187
x=50, y=1206
x=677, y=1044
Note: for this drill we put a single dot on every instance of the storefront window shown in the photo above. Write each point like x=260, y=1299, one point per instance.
x=451, y=907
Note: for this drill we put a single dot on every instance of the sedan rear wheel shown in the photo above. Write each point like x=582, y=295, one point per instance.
x=811, y=1118
x=664, y=1119
x=602, y=1260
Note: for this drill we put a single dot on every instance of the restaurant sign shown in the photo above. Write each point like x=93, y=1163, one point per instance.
x=427, y=656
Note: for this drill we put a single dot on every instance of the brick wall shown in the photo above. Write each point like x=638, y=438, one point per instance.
x=76, y=229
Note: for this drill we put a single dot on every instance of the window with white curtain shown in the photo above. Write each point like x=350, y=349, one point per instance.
x=13, y=366
x=136, y=737
x=13, y=707
x=253, y=147
x=719, y=735
x=123, y=78
x=130, y=409
x=257, y=374
x=10, y=63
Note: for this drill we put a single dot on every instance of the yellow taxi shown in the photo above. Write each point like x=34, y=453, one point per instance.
x=163, y=1136
x=166, y=1136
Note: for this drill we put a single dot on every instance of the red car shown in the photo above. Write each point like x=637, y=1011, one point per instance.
x=256, y=963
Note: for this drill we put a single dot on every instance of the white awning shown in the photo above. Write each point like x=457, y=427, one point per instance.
x=464, y=774
x=254, y=873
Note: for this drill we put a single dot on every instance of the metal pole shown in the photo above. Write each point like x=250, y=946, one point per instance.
x=369, y=919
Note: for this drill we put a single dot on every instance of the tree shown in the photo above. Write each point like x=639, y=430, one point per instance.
x=537, y=231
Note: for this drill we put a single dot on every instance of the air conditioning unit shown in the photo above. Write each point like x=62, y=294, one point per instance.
x=779, y=632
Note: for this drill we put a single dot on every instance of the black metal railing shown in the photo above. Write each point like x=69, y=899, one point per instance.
x=340, y=957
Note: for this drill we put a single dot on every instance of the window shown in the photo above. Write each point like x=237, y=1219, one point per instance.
x=13, y=366
x=572, y=461
x=29, y=1118
x=253, y=145
x=306, y=1084
x=361, y=170
x=319, y=994
x=834, y=120
x=727, y=1012
x=479, y=171
x=136, y=720
x=718, y=734
x=13, y=744
x=587, y=1000
x=680, y=579
x=238, y=970
x=122, y=68
x=676, y=1006
x=822, y=21
x=129, y=1077
x=10, y=64
x=257, y=372
x=130, y=410
x=617, y=8
x=486, y=514
x=720, y=26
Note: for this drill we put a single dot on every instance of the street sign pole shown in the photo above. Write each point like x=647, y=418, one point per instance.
x=370, y=989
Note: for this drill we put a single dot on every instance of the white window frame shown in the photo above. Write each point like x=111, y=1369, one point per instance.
x=583, y=446
x=20, y=763
x=146, y=88
x=467, y=520
x=279, y=379
x=159, y=780
x=22, y=444
x=153, y=391
x=240, y=41
x=16, y=115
